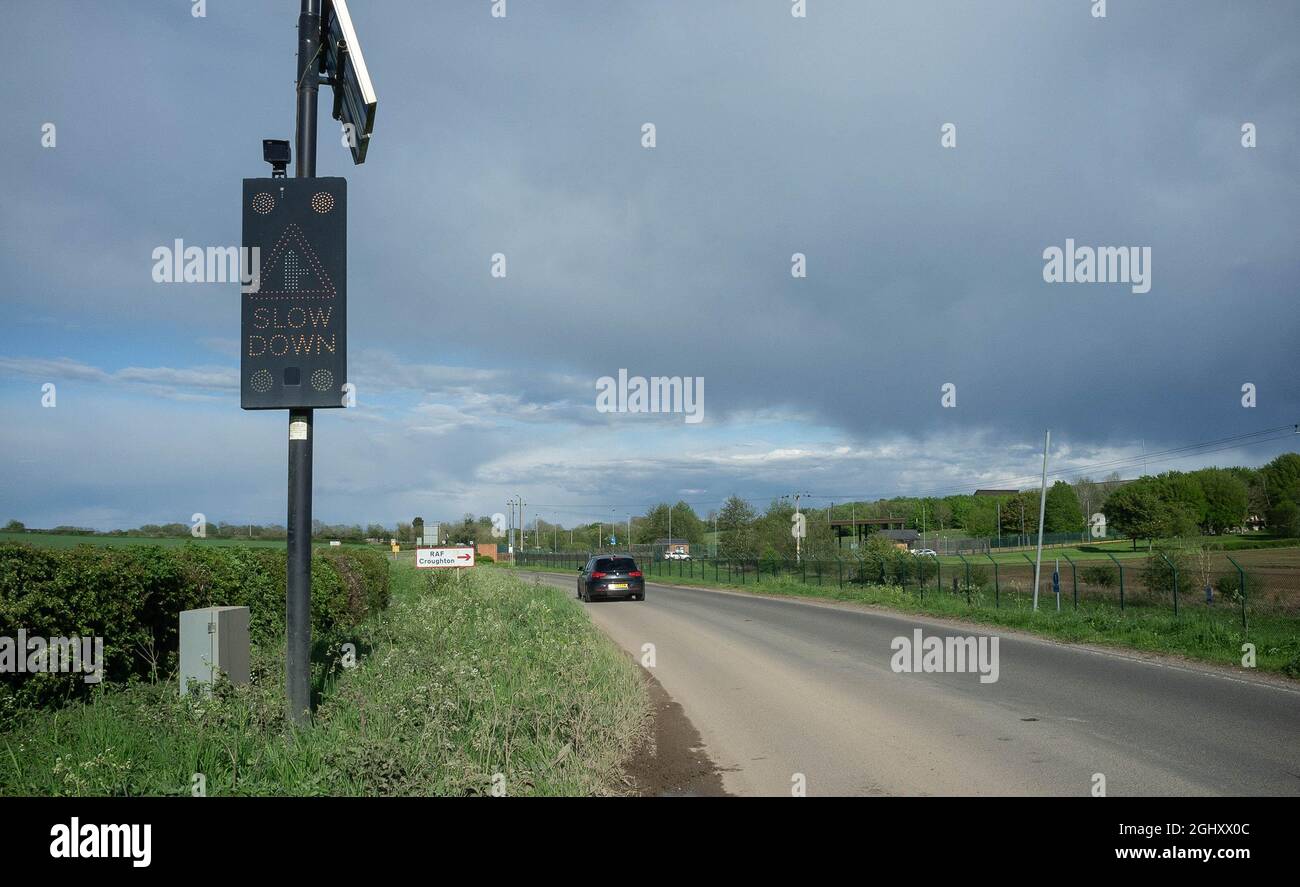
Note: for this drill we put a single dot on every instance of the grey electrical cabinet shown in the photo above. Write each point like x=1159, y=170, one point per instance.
x=214, y=641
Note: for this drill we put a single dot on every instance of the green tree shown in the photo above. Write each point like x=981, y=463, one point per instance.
x=982, y=517
x=1227, y=499
x=1284, y=518
x=736, y=535
x=687, y=524
x=774, y=539
x=1090, y=496
x=652, y=525
x=1185, y=501
x=1062, y=513
x=1138, y=511
x=1281, y=483
x=15, y=526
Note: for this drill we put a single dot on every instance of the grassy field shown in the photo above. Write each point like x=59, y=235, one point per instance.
x=459, y=686
x=1199, y=632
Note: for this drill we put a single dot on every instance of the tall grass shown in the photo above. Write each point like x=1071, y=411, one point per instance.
x=459, y=686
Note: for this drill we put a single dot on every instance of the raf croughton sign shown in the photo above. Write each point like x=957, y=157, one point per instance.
x=444, y=557
x=293, y=341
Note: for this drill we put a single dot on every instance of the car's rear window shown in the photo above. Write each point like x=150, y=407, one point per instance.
x=616, y=563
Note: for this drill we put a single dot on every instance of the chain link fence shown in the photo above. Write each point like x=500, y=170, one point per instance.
x=1181, y=580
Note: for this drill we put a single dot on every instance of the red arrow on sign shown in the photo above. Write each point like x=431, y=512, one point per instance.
x=462, y=557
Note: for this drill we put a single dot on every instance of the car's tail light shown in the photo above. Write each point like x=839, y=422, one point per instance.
x=635, y=574
x=597, y=575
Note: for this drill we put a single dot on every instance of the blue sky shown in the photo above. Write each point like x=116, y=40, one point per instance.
x=775, y=135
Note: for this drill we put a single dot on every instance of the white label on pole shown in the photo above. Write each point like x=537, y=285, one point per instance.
x=298, y=430
x=444, y=557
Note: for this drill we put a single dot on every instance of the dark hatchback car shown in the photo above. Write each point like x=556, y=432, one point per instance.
x=611, y=576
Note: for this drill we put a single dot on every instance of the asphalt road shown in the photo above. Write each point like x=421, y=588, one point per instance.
x=782, y=687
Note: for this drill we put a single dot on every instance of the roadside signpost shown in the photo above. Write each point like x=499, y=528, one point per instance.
x=293, y=348
x=432, y=558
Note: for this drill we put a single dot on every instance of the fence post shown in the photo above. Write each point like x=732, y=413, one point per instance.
x=1175, y=569
x=758, y=572
x=1029, y=560
x=1120, y=567
x=1241, y=587
x=839, y=572
x=1074, y=572
x=997, y=587
x=966, y=563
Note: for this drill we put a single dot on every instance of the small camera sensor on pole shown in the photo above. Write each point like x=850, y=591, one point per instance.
x=276, y=152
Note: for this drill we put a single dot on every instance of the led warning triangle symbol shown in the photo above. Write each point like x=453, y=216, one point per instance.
x=293, y=270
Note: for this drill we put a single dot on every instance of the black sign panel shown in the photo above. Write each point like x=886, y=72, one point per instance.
x=293, y=338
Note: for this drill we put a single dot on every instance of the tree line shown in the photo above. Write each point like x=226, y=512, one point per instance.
x=1208, y=501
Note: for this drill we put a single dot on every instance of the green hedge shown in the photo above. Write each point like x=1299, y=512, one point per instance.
x=131, y=596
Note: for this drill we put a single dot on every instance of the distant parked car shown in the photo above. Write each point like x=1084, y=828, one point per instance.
x=925, y=552
x=611, y=576
x=678, y=555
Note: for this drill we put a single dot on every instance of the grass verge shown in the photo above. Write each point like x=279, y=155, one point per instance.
x=458, y=686
x=1210, y=636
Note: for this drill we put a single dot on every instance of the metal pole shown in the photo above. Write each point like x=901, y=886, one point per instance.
x=298, y=536
x=1241, y=587
x=1175, y=572
x=1074, y=572
x=1120, y=568
x=798, y=547
x=1042, y=507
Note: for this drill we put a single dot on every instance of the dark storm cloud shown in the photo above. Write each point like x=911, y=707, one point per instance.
x=775, y=136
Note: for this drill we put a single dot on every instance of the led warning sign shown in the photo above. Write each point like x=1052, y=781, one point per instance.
x=293, y=338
